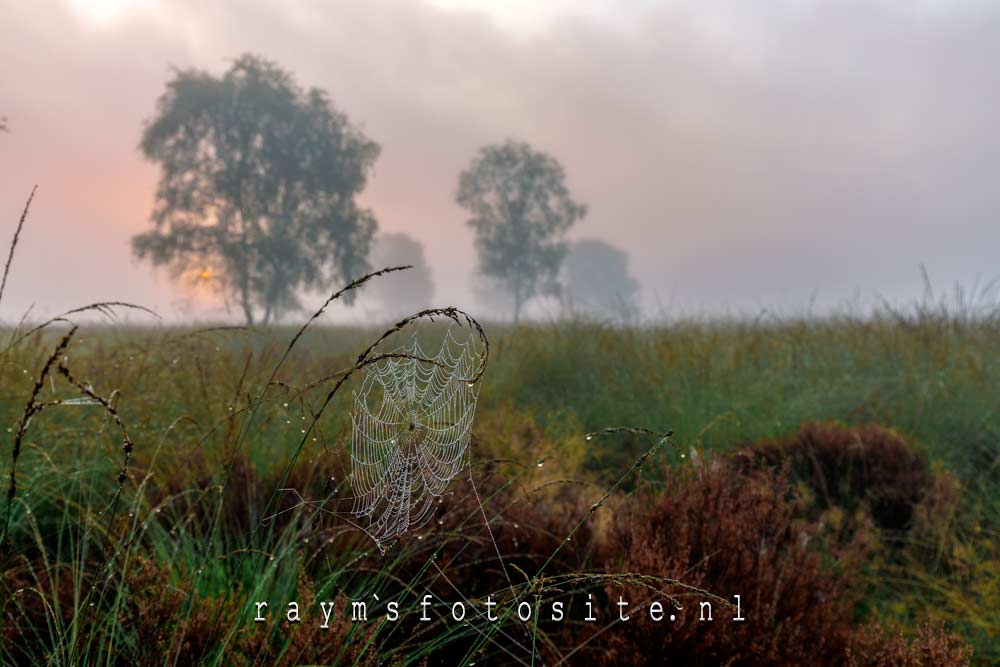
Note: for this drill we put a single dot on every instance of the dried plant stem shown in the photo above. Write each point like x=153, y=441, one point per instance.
x=353, y=285
x=367, y=357
x=637, y=465
x=32, y=408
x=326, y=378
x=13, y=242
x=127, y=443
x=106, y=308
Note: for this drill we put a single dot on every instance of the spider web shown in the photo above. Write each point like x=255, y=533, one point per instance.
x=412, y=423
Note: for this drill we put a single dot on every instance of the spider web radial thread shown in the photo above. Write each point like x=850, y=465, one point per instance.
x=412, y=424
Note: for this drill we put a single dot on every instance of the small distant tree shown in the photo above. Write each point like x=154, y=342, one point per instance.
x=258, y=179
x=408, y=291
x=597, y=281
x=520, y=210
x=3, y=123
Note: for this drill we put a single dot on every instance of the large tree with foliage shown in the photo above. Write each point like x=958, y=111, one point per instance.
x=257, y=186
x=520, y=210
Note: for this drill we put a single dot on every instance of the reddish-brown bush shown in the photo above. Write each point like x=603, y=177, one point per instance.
x=527, y=525
x=156, y=613
x=344, y=642
x=742, y=524
x=932, y=646
x=246, y=493
x=852, y=467
x=34, y=596
x=731, y=532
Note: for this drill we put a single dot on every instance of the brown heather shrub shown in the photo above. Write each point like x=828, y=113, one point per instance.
x=867, y=467
x=247, y=491
x=183, y=485
x=30, y=593
x=153, y=613
x=156, y=615
x=875, y=646
x=345, y=642
x=529, y=522
x=730, y=532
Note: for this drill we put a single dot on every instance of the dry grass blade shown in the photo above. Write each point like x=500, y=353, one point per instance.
x=127, y=443
x=127, y=447
x=454, y=314
x=634, y=430
x=227, y=470
x=661, y=437
x=13, y=242
x=339, y=293
x=364, y=359
x=219, y=329
x=106, y=308
x=326, y=378
x=31, y=408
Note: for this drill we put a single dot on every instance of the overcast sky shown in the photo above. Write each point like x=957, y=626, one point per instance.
x=745, y=155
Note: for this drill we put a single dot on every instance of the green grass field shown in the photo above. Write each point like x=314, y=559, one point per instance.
x=163, y=568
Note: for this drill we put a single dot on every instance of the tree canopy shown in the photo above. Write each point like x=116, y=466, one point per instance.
x=520, y=210
x=408, y=291
x=597, y=281
x=258, y=179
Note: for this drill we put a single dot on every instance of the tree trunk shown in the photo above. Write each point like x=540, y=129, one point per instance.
x=245, y=294
x=517, y=302
x=247, y=309
x=244, y=261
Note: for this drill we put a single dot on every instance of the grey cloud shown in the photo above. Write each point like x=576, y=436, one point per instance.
x=742, y=158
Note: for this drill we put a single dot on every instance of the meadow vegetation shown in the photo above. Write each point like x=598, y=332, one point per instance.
x=842, y=475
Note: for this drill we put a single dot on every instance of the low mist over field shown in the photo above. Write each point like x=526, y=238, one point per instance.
x=804, y=153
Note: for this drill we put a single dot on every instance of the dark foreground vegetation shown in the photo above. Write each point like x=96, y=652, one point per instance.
x=842, y=476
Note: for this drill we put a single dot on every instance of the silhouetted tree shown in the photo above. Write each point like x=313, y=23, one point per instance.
x=3, y=123
x=408, y=291
x=597, y=281
x=257, y=186
x=520, y=211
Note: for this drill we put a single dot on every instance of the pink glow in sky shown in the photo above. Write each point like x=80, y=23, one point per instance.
x=743, y=158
